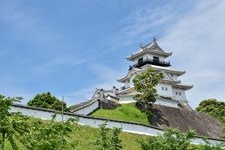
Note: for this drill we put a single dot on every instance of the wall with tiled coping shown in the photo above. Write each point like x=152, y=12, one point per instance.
x=95, y=122
x=87, y=108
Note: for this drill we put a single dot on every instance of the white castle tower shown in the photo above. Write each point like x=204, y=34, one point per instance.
x=170, y=90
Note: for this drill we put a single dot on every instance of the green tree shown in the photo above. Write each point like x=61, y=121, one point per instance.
x=109, y=139
x=12, y=125
x=46, y=100
x=214, y=108
x=115, y=140
x=145, y=83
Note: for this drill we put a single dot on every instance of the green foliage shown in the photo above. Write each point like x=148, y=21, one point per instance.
x=125, y=112
x=46, y=100
x=11, y=124
x=145, y=83
x=170, y=140
x=116, y=142
x=51, y=136
x=32, y=134
x=214, y=108
x=108, y=140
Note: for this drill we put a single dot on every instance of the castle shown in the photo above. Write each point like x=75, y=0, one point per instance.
x=170, y=90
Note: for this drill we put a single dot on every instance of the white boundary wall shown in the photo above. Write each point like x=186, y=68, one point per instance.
x=159, y=101
x=95, y=122
x=88, y=108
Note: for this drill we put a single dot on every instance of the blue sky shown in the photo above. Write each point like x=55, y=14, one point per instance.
x=72, y=47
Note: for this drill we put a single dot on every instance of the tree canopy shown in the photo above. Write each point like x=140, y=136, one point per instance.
x=46, y=100
x=214, y=108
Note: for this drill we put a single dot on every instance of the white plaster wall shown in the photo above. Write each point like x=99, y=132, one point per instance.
x=127, y=127
x=148, y=56
x=126, y=99
x=95, y=122
x=167, y=93
x=129, y=99
x=170, y=103
x=87, y=110
x=136, y=60
x=36, y=113
x=127, y=84
x=179, y=97
x=175, y=77
x=131, y=80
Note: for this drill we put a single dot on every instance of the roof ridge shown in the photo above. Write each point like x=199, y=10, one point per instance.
x=152, y=46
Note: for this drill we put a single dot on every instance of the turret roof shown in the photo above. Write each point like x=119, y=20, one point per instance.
x=136, y=70
x=153, y=45
x=151, y=48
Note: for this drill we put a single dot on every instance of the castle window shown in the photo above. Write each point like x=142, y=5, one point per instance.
x=163, y=88
x=140, y=60
x=179, y=93
x=176, y=93
x=155, y=59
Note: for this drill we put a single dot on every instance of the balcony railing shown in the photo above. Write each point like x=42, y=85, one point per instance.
x=153, y=62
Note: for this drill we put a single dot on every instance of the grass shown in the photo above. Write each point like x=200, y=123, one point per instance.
x=126, y=112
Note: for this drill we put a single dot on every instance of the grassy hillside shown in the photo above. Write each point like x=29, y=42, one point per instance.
x=126, y=112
